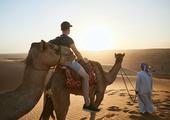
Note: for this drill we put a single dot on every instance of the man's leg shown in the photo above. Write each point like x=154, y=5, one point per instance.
x=85, y=86
x=141, y=103
x=149, y=105
x=85, y=83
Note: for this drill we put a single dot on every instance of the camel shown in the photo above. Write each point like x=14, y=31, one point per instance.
x=41, y=57
x=57, y=96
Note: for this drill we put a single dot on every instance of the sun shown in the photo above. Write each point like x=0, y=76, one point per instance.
x=96, y=39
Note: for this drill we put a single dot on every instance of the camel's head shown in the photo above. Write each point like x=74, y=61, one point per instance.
x=43, y=55
x=119, y=57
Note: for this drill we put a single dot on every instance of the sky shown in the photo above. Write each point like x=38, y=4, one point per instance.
x=97, y=24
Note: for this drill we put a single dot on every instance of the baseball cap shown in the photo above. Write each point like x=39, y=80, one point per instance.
x=65, y=25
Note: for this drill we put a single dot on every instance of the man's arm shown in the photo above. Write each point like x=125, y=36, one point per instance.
x=76, y=52
x=137, y=83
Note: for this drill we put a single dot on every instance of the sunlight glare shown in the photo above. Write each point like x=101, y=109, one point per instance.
x=96, y=39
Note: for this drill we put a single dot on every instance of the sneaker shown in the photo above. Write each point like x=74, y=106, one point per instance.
x=90, y=108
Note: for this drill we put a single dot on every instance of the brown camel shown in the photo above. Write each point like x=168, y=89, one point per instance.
x=41, y=57
x=57, y=96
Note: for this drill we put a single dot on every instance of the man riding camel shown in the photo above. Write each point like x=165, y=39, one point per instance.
x=67, y=41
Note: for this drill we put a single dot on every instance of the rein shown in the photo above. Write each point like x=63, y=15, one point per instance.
x=53, y=68
x=123, y=73
x=60, y=55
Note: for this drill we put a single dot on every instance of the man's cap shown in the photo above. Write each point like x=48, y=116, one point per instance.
x=65, y=25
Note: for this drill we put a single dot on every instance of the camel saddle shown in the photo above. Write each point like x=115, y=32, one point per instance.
x=74, y=80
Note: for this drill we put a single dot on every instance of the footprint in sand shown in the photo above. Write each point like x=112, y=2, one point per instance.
x=130, y=104
x=122, y=94
x=133, y=112
x=167, y=99
x=113, y=93
x=164, y=91
x=167, y=91
x=136, y=117
x=108, y=91
x=155, y=94
x=131, y=90
x=148, y=117
x=161, y=115
x=109, y=115
x=156, y=101
x=122, y=90
x=114, y=108
x=165, y=106
x=126, y=109
x=84, y=118
x=137, y=107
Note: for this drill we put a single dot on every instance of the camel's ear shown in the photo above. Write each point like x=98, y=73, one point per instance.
x=115, y=54
x=43, y=45
x=123, y=54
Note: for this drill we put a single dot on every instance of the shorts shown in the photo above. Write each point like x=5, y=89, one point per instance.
x=74, y=65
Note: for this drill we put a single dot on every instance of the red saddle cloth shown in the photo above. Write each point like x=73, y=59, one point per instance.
x=74, y=80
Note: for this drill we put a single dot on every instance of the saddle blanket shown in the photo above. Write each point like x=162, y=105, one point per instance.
x=74, y=80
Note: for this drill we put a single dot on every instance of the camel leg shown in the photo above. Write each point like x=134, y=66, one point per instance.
x=99, y=98
x=92, y=97
x=47, y=105
x=92, y=116
x=47, y=109
x=61, y=102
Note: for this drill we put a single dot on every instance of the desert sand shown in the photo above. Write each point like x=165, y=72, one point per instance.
x=116, y=104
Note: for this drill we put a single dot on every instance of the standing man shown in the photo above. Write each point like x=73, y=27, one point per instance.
x=144, y=89
x=67, y=41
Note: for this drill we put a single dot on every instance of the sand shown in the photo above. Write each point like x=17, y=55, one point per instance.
x=116, y=104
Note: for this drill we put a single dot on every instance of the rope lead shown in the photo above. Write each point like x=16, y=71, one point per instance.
x=122, y=71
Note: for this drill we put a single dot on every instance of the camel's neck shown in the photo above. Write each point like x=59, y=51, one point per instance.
x=111, y=75
x=19, y=102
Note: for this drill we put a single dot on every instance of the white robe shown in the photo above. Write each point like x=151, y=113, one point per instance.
x=144, y=88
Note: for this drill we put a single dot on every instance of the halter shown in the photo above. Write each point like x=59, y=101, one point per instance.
x=123, y=73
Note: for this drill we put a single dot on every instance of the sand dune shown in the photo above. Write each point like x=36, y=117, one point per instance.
x=11, y=73
x=115, y=106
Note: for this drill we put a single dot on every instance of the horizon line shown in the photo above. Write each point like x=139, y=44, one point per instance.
x=100, y=50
